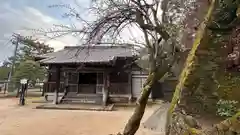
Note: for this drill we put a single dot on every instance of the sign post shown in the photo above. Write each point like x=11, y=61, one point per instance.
x=23, y=83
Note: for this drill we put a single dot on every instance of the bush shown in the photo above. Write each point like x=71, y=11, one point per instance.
x=227, y=108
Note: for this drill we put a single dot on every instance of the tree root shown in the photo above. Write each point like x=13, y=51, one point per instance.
x=180, y=126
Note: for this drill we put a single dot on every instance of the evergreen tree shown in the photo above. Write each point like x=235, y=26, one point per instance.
x=25, y=65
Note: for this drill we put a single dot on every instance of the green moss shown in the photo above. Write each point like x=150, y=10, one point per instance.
x=235, y=120
x=193, y=131
x=229, y=88
x=204, y=78
x=209, y=81
x=187, y=70
x=231, y=124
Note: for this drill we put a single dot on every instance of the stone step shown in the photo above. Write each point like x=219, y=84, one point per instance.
x=52, y=97
x=96, y=100
x=80, y=102
x=83, y=99
x=75, y=95
x=119, y=99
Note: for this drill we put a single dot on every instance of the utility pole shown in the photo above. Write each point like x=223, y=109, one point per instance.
x=15, y=41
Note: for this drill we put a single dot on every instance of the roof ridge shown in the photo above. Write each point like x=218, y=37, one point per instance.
x=97, y=46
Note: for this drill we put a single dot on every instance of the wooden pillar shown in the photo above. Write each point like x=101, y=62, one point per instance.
x=26, y=89
x=66, y=85
x=58, y=71
x=130, y=86
x=106, y=84
x=45, y=84
x=5, y=87
x=43, y=88
x=47, y=81
x=78, y=83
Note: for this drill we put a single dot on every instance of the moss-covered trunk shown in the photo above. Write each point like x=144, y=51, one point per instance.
x=184, y=126
x=175, y=109
x=134, y=122
x=229, y=126
x=178, y=122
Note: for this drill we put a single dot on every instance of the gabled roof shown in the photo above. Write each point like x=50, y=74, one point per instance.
x=87, y=54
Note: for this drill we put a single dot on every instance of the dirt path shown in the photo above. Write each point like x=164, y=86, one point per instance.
x=15, y=120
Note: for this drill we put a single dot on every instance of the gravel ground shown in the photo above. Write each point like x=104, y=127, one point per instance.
x=15, y=120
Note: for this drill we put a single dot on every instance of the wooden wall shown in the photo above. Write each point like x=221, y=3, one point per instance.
x=120, y=83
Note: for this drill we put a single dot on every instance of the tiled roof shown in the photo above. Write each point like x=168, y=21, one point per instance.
x=87, y=54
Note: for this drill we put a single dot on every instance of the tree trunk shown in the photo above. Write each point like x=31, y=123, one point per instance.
x=134, y=122
x=187, y=125
x=230, y=126
x=178, y=123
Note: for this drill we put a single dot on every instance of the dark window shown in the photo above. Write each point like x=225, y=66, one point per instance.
x=119, y=77
x=100, y=78
x=62, y=76
x=52, y=76
x=88, y=78
x=73, y=78
x=100, y=82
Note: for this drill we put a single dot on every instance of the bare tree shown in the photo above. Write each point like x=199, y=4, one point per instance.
x=161, y=40
x=112, y=17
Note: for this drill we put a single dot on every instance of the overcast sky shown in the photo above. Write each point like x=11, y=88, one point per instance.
x=17, y=15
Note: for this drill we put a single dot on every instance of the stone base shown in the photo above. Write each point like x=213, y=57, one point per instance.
x=76, y=107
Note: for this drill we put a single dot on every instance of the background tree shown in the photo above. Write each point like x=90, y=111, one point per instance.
x=25, y=65
x=4, y=71
x=30, y=70
x=31, y=47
